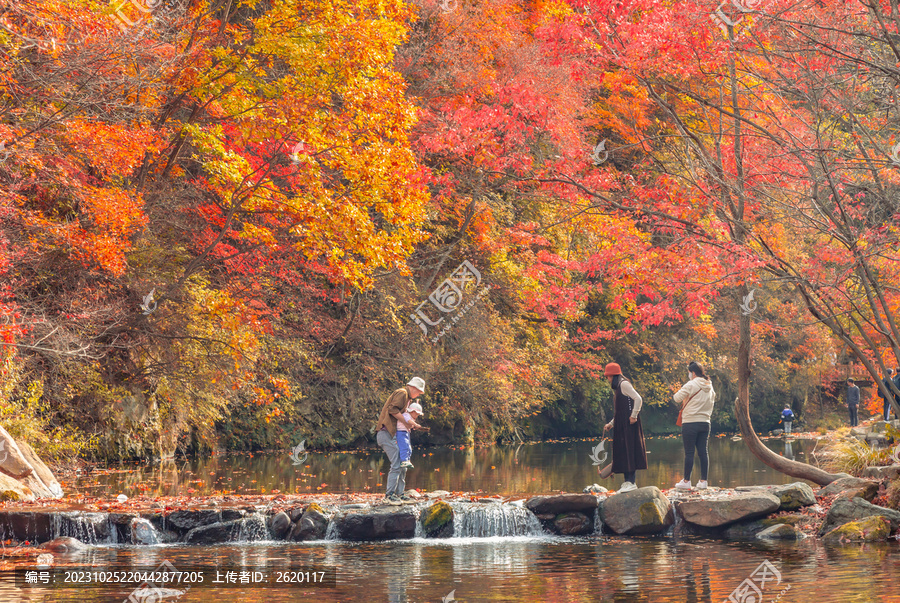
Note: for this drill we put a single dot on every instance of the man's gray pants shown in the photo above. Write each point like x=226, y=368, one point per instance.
x=396, y=479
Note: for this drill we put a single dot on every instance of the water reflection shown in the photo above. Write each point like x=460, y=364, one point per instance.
x=522, y=469
x=521, y=569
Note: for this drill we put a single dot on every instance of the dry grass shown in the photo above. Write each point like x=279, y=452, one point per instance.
x=852, y=456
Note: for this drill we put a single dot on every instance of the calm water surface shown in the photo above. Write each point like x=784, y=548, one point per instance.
x=532, y=468
x=520, y=569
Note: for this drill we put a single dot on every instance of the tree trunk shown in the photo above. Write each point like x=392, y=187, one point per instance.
x=742, y=413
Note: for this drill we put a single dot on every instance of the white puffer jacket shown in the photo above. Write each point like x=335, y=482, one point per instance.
x=699, y=409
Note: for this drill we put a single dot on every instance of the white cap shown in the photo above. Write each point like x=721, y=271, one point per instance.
x=416, y=407
x=418, y=383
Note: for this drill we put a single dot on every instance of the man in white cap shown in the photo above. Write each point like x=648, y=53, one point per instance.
x=391, y=413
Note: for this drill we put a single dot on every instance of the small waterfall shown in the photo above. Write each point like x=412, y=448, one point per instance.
x=252, y=528
x=493, y=519
x=598, y=523
x=331, y=531
x=89, y=528
x=143, y=532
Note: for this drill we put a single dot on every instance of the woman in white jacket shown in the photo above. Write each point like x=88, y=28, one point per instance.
x=697, y=398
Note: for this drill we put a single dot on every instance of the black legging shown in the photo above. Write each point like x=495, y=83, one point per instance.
x=695, y=436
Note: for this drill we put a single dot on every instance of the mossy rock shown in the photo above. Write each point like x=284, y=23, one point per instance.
x=315, y=507
x=437, y=520
x=10, y=496
x=650, y=514
x=870, y=529
x=642, y=511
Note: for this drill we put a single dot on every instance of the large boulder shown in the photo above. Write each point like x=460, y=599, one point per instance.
x=377, y=524
x=279, y=525
x=562, y=503
x=12, y=461
x=20, y=464
x=41, y=471
x=845, y=510
x=721, y=510
x=869, y=529
x=141, y=532
x=642, y=511
x=12, y=490
x=437, y=520
x=850, y=487
x=792, y=496
x=312, y=525
x=34, y=483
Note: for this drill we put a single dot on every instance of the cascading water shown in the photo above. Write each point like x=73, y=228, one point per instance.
x=331, y=531
x=89, y=528
x=420, y=530
x=493, y=519
x=251, y=528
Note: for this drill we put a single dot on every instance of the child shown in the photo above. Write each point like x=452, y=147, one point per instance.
x=787, y=417
x=413, y=412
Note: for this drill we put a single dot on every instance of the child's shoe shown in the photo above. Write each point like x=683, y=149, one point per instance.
x=702, y=485
x=684, y=484
x=406, y=465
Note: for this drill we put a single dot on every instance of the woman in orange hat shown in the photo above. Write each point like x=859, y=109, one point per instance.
x=629, y=452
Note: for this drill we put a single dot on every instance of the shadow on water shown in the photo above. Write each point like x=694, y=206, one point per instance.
x=531, y=468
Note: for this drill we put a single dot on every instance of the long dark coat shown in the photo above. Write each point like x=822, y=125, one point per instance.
x=629, y=453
